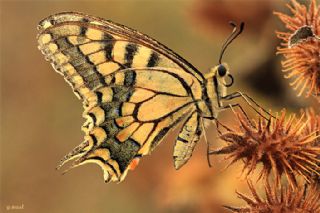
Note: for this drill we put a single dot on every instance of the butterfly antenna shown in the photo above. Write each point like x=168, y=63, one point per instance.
x=234, y=34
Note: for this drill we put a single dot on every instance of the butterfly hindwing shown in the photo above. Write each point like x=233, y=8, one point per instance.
x=133, y=88
x=124, y=138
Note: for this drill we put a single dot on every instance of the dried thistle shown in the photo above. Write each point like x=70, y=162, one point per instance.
x=301, y=46
x=313, y=126
x=280, y=144
x=284, y=200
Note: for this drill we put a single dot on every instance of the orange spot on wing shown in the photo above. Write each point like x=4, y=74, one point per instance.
x=134, y=163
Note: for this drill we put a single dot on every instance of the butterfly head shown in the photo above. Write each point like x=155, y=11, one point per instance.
x=221, y=71
x=220, y=79
x=222, y=75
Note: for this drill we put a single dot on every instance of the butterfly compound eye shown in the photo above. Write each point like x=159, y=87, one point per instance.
x=222, y=70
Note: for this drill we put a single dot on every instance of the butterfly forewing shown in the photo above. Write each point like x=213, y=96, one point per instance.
x=134, y=89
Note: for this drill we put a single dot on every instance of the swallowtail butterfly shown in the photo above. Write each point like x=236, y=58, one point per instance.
x=134, y=90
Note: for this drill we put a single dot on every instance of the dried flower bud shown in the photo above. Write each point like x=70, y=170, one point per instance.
x=301, y=47
x=284, y=200
x=283, y=146
x=313, y=126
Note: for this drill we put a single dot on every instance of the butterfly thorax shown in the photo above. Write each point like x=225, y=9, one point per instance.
x=214, y=88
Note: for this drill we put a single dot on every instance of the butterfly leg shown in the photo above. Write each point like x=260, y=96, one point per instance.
x=218, y=124
x=247, y=98
x=231, y=106
x=207, y=142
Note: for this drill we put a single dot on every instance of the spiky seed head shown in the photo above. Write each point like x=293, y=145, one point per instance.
x=283, y=199
x=282, y=145
x=313, y=126
x=301, y=47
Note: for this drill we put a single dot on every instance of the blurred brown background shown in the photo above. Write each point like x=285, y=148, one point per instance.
x=41, y=118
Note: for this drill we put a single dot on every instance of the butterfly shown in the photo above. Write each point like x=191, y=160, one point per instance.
x=134, y=90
